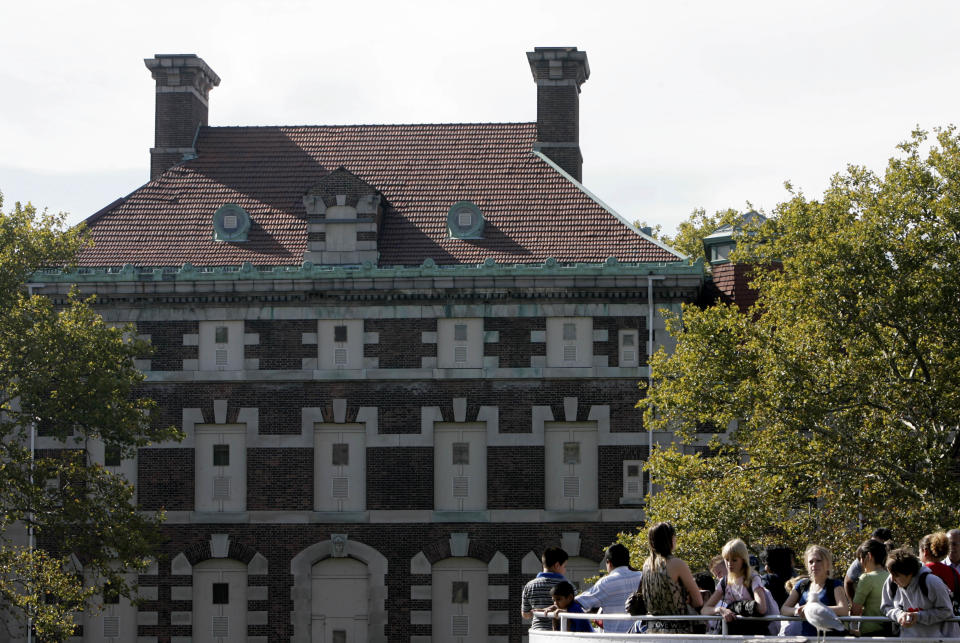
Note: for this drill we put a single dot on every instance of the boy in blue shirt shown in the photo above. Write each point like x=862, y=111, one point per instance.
x=563, y=601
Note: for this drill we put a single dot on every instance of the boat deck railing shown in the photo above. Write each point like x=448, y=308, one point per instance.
x=853, y=625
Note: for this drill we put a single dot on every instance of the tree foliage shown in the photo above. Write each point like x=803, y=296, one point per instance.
x=840, y=390
x=68, y=376
x=691, y=232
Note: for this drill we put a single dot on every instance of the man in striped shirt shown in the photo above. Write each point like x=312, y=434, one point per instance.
x=610, y=592
x=536, y=593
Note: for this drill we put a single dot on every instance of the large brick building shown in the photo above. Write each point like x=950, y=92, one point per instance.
x=405, y=358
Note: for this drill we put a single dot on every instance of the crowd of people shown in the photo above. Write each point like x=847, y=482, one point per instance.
x=914, y=593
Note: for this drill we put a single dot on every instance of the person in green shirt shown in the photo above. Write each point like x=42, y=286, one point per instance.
x=866, y=602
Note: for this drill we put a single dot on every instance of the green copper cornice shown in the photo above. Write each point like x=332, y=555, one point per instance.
x=309, y=271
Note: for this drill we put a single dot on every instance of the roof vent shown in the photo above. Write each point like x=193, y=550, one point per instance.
x=465, y=221
x=230, y=223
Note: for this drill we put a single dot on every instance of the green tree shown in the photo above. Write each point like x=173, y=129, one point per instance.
x=66, y=375
x=653, y=231
x=690, y=233
x=840, y=390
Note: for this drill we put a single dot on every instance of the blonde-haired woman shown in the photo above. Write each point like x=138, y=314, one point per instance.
x=742, y=583
x=819, y=587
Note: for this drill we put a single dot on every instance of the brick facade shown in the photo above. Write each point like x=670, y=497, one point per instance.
x=286, y=392
x=280, y=543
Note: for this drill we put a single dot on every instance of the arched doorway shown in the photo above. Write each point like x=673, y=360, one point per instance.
x=339, y=592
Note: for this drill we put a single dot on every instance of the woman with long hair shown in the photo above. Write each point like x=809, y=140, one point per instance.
x=742, y=583
x=819, y=587
x=872, y=555
x=667, y=584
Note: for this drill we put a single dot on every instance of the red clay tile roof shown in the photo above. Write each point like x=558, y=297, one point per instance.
x=531, y=210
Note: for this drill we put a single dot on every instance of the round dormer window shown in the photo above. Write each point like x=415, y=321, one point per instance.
x=230, y=223
x=465, y=221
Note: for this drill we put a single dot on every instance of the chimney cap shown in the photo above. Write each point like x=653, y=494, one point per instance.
x=179, y=61
x=540, y=55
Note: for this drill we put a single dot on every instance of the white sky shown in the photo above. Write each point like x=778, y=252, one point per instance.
x=690, y=104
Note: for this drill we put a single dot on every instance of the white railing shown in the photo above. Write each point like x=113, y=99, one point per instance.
x=545, y=636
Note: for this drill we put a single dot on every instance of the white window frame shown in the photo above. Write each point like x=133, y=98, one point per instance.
x=560, y=349
x=454, y=353
x=571, y=483
x=329, y=350
x=625, y=360
x=451, y=477
x=633, y=488
x=231, y=350
x=208, y=478
x=329, y=478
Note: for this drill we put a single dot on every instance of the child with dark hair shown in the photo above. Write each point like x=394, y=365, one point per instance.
x=917, y=599
x=563, y=601
x=705, y=582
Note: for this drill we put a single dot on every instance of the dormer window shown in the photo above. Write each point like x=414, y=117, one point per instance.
x=465, y=221
x=230, y=223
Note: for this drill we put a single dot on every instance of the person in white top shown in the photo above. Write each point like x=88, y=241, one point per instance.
x=610, y=592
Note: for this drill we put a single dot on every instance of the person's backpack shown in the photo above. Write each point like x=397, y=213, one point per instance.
x=922, y=581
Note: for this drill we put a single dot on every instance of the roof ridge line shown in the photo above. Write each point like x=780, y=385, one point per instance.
x=606, y=207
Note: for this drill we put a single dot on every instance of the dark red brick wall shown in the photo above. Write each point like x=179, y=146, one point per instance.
x=514, y=348
x=397, y=478
x=610, y=468
x=177, y=117
x=558, y=114
x=401, y=341
x=400, y=344
x=400, y=478
x=281, y=343
x=280, y=479
x=280, y=404
x=515, y=477
x=167, y=340
x=279, y=543
x=165, y=479
x=611, y=347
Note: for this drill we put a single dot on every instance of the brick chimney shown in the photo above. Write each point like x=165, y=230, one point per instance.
x=559, y=72
x=184, y=82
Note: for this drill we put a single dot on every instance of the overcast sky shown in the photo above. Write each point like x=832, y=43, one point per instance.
x=689, y=104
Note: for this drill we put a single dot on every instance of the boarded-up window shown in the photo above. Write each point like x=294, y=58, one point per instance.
x=221, y=593
x=221, y=455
